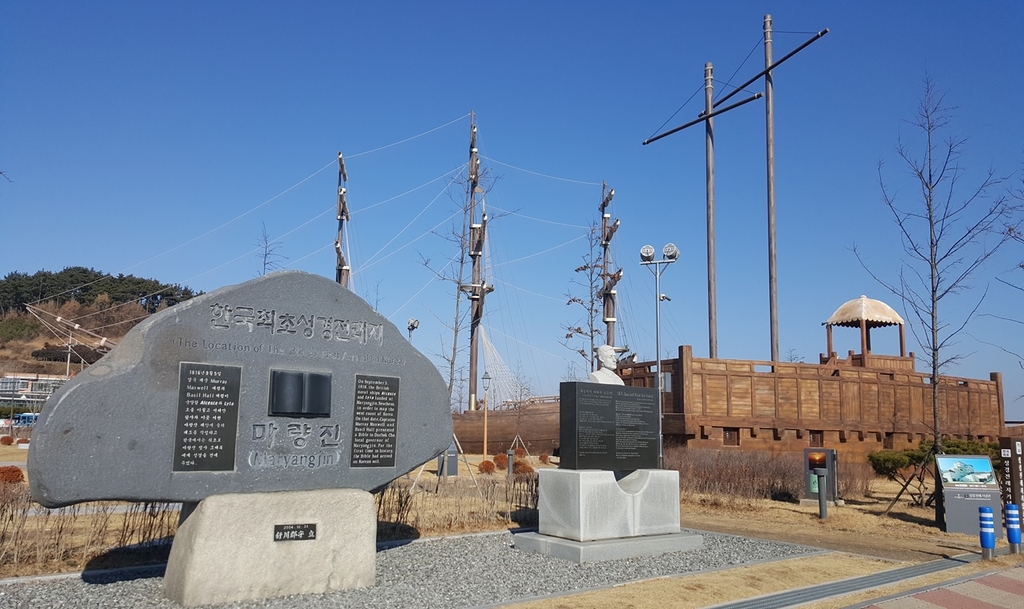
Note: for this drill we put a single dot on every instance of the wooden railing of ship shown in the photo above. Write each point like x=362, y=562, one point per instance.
x=885, y=397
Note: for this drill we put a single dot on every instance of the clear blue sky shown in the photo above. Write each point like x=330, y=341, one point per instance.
x=156, y=138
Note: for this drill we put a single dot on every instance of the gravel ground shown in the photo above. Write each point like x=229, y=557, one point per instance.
x=465, y=571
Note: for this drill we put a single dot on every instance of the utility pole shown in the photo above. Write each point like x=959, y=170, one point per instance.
x=478, y=289
x=344, y=272
x=610, y=279
x=709, y=154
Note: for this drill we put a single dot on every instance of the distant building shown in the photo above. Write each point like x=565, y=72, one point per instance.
x=23, y=389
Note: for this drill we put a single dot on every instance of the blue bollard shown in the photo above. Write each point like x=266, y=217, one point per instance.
x=1013, y=527
x=987, y=533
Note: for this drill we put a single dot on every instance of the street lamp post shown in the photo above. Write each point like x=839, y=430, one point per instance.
x=670, y=253
x=487, y=406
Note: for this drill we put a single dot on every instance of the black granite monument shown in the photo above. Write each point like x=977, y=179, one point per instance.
x=611, y=427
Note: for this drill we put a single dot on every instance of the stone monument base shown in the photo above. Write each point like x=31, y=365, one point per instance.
x=606, y=549
x=590, y=515
x=259, y=545
x=590, y=504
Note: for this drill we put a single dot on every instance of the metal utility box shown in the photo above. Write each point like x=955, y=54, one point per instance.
x=452, y=455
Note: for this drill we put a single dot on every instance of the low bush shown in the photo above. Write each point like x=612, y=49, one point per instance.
x=739, y=474
x=11, y=474
x=501, y=461
x=520, y=452
x=855, y=477
x=521, y=467
x=6, y=440
x=19, y=326
x=544, y=458
x=486, y=467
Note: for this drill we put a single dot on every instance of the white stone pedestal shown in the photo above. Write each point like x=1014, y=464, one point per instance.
x=226, y=551
x=588, y=515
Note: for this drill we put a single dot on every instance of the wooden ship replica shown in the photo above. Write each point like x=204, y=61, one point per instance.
x=858, y=403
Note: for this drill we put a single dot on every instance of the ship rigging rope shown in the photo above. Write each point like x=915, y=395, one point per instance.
x=411, y=190
x=506, y=388
x=408, y=139
x=370, y=261
x=348, y=241
x=537, y=173
x=332, y=163
x=535, y=254
x=678, y=110
x=510, y=212
x=59, y=331
x=522, y=289
x=728, y=83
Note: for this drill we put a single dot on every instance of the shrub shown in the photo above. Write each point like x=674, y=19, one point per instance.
x=520, y=452
x=486, y=467
x=855, y=477
x=544, y=458
x=500, y=461
x=521, y=467
x=21, y=441
x=18, y=326
x=739, y=474
x=888, y=463
x=11, y=474
x=6, y=440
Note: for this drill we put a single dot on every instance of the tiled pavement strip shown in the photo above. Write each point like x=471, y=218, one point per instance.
x=1003, y=590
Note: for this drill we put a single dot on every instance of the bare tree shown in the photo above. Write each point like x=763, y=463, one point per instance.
x=267, y=254
x=1014, y=233
x=947, y=234
x=377, y=298
x=453, y=272
x=589, y=280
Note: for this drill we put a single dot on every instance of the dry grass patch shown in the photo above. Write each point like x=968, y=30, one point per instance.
x=13, y=454
x=456, y=505
x=705, y=589
x=35, y=540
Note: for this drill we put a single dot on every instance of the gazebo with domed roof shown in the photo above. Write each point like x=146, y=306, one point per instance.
x=867, y=313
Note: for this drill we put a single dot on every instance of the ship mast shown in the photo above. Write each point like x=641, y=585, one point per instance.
x=344, y=271
x=607, y=292
x=478, y=289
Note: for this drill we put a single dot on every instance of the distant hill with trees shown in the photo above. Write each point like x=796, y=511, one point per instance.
x=107, y=304
x=85, y=285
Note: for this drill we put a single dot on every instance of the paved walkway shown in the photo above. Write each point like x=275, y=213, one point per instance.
x=1003, y=590
x=984, y=590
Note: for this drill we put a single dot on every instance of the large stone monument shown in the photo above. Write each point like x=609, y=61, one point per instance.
x=608, y=499
x=269, y=409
